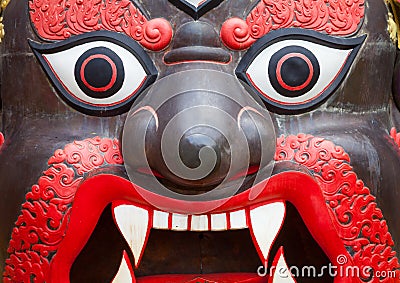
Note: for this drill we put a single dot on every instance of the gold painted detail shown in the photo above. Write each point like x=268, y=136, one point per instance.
x=394, y=20
x=3, y=5
x=392, y=28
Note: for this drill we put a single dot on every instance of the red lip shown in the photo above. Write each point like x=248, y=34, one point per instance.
x=97, y=192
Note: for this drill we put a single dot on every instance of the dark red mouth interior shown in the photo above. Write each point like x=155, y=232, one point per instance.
x=225, y=256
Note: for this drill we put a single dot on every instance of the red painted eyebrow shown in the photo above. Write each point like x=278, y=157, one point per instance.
x=60, y=19
x=336, y=17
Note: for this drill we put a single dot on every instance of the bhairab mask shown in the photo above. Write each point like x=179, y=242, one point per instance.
x=199, y=141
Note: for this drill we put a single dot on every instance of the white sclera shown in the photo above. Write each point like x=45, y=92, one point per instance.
x=64, y=70
x=331, y=62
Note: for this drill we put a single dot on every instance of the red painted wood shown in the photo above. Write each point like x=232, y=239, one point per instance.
x=325, y=16
x=58, y=20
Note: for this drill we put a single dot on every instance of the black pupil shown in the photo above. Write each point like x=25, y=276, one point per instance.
x=98, y=72
x=295, y=71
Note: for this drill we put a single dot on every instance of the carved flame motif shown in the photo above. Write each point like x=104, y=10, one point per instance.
x=395, y=136
x=329, y=16
x=42, y=224
x=1, y=140
x=359, y=222
x=60, y=19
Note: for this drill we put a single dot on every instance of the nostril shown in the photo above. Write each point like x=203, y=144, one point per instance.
x=197, y=150
x=199, y=156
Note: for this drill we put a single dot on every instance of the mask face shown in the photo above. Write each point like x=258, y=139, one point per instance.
x=199, y=141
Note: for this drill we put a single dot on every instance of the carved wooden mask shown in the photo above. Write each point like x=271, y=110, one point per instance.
x=199, y=141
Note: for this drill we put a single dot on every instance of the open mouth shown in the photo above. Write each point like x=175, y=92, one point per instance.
x=259, y=212
x=135, y=224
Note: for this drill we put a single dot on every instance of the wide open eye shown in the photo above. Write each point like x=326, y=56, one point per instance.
x=294, y=69
x=98, y=73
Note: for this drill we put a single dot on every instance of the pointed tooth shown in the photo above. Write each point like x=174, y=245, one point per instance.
x=238, y=219
x=265, y=224
x=199, y=223
x=179, y=222
x=160, y=220
x=125, y=273
x=281, y=271
x=218, y=222
x=133, y=223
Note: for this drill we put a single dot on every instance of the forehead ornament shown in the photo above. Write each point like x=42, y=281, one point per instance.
x=327, y=16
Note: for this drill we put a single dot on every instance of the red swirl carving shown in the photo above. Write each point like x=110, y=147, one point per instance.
x=395, y=136
x=42, y=224
x=60, y=19
x=1, y=140
x=330, y=16
x=359, y=222
x=44, y=216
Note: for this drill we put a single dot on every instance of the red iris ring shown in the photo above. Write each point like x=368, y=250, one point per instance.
x=113, y=69
x=279, y=68
x=293, y=71
x=99, y=72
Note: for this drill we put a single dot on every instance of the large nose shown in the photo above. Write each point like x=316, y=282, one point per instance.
x=197, y=131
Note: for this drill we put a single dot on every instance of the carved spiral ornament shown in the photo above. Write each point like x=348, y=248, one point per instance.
x=331, y=17
x=61, y=19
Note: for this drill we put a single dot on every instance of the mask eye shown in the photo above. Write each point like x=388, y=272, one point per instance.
x=99, y=73
x=294, y=70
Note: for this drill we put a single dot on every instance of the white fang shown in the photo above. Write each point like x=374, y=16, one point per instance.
x=282, y=272
x=266, y=221
x=124, y=274
x=133, y=223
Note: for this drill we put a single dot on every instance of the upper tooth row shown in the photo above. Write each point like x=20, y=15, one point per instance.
x=264, y=222
x=213, y=222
